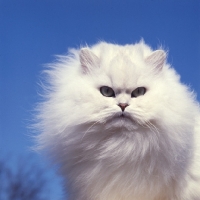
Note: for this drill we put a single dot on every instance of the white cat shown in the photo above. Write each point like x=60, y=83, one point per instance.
x=121, y=125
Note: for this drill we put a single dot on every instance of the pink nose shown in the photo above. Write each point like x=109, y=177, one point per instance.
x=123, y=106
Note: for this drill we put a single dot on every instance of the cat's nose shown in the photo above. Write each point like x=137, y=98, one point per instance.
x=123, y=106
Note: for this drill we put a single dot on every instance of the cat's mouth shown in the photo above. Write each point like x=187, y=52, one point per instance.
x=122, y=116
x=122, y=119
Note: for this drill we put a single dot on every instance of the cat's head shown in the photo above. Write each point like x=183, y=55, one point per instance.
x=122, y=85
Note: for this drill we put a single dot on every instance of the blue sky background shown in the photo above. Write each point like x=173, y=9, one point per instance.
x=33, y=31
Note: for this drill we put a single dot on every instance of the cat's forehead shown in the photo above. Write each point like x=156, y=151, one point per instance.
x=123, y=72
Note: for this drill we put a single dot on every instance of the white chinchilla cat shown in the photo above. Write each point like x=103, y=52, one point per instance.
x=120, y=125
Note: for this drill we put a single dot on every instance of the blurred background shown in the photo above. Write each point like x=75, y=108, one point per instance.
x=32, y=32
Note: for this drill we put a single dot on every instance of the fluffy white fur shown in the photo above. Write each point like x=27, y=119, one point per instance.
x=152, y=153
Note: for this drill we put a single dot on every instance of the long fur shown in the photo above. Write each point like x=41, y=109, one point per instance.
x=151, y=154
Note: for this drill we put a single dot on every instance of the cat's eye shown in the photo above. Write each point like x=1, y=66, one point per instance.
x=107, y=91
x=138, y=92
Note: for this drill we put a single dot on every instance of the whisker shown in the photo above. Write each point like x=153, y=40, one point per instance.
x=148, y=124
x=152, y=127
x=104, y=117
x=89, y=129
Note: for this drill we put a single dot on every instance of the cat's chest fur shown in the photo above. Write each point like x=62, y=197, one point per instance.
x=119, y=168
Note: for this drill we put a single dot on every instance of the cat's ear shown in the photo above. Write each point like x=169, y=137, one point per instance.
x=156, y=60
x=88, y=60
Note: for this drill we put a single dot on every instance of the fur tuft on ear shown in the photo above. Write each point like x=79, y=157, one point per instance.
x=156, y=60
x=88, y=60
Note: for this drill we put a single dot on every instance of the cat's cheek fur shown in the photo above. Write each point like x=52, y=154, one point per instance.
x=150, y=153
